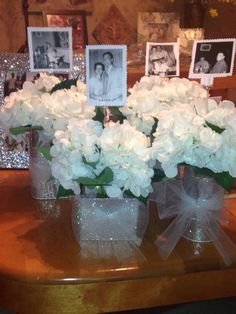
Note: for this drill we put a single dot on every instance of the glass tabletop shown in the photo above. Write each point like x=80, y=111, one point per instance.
x=37, y=243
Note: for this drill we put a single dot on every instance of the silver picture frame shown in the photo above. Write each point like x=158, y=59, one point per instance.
x=18, y=158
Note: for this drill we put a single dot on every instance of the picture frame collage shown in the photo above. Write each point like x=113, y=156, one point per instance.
x=51, y=50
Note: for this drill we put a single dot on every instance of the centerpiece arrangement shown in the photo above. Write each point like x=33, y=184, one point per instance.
x=193, y=143
x=38, y=110
x=101, y=161
x=166, y=125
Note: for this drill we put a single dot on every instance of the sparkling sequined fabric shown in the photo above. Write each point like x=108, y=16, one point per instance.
x=107, y=219
x=20, y=62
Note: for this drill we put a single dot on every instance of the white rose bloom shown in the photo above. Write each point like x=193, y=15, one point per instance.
x=127, y=153
x=227, y=104
x=34, y=105
x=210, y=139
x=46, y=82
x=120, y=147
x=183, y=135
x=73, y=149
x=149, y=97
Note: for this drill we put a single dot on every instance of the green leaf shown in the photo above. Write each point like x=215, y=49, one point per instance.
x=23, y=129
x=64, y=192
x=64, y=85
x=225, y=180
x=105, y=177
x=142, y=199
x=116, y=114
x=154, y=127
x=203, y=172
x=91, y=164
x=43, y=90
x=99, y=114
x=159, y=175
x=215, y=128
x=101, y=192
x=45, y=151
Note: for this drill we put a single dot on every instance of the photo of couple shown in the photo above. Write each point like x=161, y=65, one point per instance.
x=107, y=75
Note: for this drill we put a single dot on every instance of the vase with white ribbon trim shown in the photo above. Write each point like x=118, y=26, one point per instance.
x=42, y=185
x=203, y=197
x=196, y=205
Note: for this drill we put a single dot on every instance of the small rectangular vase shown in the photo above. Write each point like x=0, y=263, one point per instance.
x=108, y=219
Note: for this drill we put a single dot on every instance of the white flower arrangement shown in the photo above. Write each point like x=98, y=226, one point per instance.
x=153, y=94
x=201, y=134
x=37, y=105
x=172, y=121
x=115, y=159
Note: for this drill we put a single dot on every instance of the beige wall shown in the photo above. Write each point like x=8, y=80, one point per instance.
x=12, y=31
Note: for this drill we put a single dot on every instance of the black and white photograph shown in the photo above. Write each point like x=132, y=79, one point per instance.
x=212, y=58
x=50, y=49
x=162, y=59
x=106, y=75
x=14, y=80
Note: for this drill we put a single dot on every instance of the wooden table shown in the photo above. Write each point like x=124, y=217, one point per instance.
x=43, y=271
x=223, y=86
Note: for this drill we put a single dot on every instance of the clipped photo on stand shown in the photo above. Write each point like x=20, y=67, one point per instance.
x=162, y=59
x=106, y=75
x=50, y=49
x=212, y=58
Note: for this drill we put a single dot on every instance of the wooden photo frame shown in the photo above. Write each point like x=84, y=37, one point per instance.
x=158, y=27
x=74, y=19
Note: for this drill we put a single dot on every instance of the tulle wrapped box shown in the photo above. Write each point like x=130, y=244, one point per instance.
x=107, y=219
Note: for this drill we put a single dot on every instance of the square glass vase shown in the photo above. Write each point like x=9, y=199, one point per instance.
x=109, y=219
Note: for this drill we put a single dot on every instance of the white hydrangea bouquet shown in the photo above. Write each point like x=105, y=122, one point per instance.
x=200, y=134
x=115, y=159
x=153, y=94
x=186, y=127
x=47, y=104
x=34, y=114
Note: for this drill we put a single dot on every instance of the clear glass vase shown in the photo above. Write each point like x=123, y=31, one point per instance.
x=205, y=196
x=107, y=219
x=42, y=186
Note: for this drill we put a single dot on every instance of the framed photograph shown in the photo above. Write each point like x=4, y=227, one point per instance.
x=162, y=59
x=212, y=57
x=15, y=67
x=106, y=75
x=74, y=19
x=114, y=29
x=158, y=27
x=50, y=49
x=205, y=47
